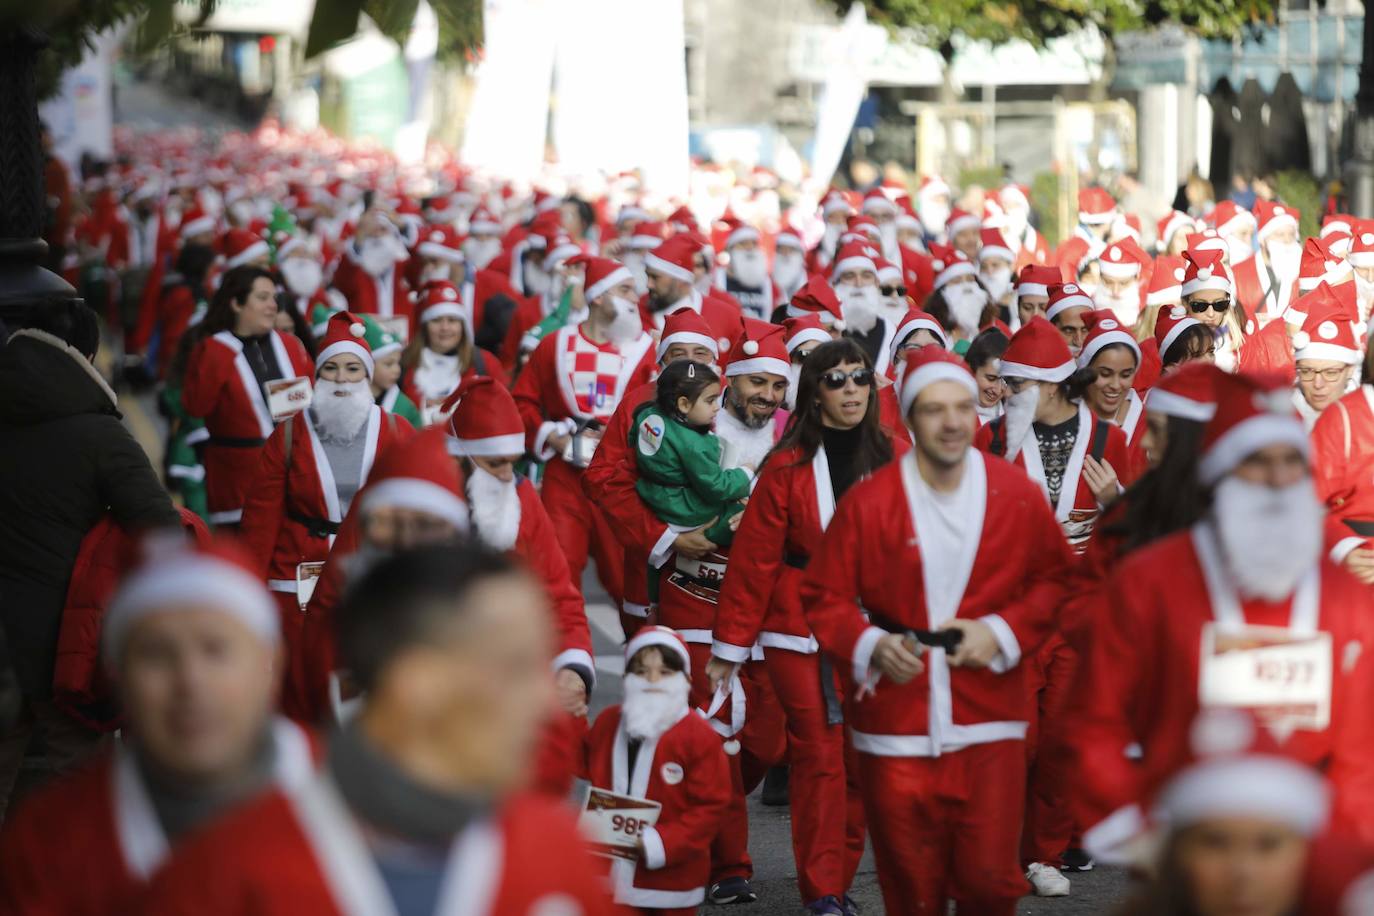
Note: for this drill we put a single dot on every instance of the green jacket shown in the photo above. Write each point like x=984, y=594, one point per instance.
x=680, y=477
x=395, y=401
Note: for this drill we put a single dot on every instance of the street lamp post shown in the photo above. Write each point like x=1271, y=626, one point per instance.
x=1359, y=171
x=24, y=284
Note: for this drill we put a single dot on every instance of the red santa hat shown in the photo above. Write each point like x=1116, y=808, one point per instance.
x=1337, y=222
x=1065, y=296
x=345, y=333
x=685, y=326
x=788, y=238
x=906, y=214
x=675, y=257
x=662, y=637
x=1207, y=240
x=1014, y=195
x=959, y=220
x=1121, y=260
x=195, y=221
x=762, y=350
x=1036, y=280
x=176, y=574
x=1171, y=222
x=239, y=246
x=805, y=329
x=601, y=274
x=889, y=274
x=441, y=242
x=929, y=365
x=1362, y=244
x=682, y=219
x=1229, y=216
x=1126, y=226
x=1271, y=216
x=1105, y=331
x=1320, y=263
x=834, y=202
x=484, y=222
x=1253, y=412
x=439, y=299
x=1166, y=282
x=854, y=256
x=863, y=227
x=994, y=246
x=632, y=211
x=1338, y=242
x=1038, y=352
x=932, y=186
x=739, y=231
x=1329, y=331
x=1095, y=207
x=876, y=202
x=916, y=320
x=1204, y=270
x=418, y=474
x=1169, y=326
x=560, y=248
x=483, y=419
x=817, y=297
x=949, y=263
x=1189, y=393
x=648, y=235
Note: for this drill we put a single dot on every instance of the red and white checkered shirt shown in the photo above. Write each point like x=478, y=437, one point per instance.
x=593, y=374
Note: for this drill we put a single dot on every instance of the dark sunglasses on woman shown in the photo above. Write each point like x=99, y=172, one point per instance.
x=1221, y=305
x=835, y=379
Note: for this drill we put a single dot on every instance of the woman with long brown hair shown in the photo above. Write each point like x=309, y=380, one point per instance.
x=833, y=439
x=442, y=352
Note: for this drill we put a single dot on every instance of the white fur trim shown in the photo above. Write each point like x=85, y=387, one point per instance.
x=655, y=263
x=619, y=275
x=1071, y=301
x=863, y=652
x=442, y=310
x=1176, y=405
x=346, y=346
x=1174, y=333
x=1165, y=296
x=654, y=636
x=1277, y=221
x=1215, y=281
x=197, y=227
x=688, y=337
x=918, y=324
x=1263, y=786
x=742, y=234
x=967, y=221
x=806, y=335
x=442, y=252
x=419, y=495
x=1119, y=271
x=995, y=251
x=1246, y=437
x=1318, y=350
x=1037, y=374
x=913, y=383
x=1097, y=344
x=255, y=250
x=862, y=262
x=1032, y=289
x=955, y=271
x=654, y=855
x=765, y=365
x=490, y=446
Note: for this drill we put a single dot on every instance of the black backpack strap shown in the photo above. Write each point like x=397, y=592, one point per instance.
x=998, y=446
x=479, y=365
x=1100, y=434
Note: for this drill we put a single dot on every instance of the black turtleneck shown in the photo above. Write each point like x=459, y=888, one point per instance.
x=841, y=454
x=261, y=357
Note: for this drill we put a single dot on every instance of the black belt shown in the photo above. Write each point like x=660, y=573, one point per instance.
x=1363, y=529
x=796, y=560
x=944, y=639
x=318, y=527
x=230, y=442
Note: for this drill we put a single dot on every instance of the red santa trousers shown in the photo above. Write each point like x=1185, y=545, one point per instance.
x=947, y=827
x=1049, y=827
x=827, y=809
x=582, y=529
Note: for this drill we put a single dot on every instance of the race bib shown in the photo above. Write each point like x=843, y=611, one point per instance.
x=397, y=326
x=700, y=578
x=1284, y=678
x=580, y=449
x=307, y=576
x=287, y=397
x=612, y=823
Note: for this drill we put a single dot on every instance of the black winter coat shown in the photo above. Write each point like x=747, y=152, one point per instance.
x=65, y=461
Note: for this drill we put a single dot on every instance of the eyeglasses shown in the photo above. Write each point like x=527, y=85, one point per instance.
x=1331, y=374
x=835, y=379
x=1221, y=305
x=893, y=290
x=1015, y=383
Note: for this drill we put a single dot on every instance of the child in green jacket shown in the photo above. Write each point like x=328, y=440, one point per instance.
x=680, y=477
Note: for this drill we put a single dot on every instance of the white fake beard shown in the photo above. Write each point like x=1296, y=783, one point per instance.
x=933, y=217
x=789, y=271
x=892, y=309
x=1286, y=259
x=998, y=282
x=859, y=306
x=302, y=275
x=1270, y=538
x=634, y=263
x=749, y=268
x=1014, y=226
x=1020, y=414
x=1237, y=250
x=376, y=255
x=650, y=709
x=1364, y=295
x=1126, y=306
x=627, y=324
x=494, y=505
x=437, y=272
x=831, y=238
x=887, y=235
x=966, y=303
x=340, y=417
x=481, y=252
x=537, y=282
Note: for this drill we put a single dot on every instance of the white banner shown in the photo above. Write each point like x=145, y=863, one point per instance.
x=81, y=115
x=847, y=60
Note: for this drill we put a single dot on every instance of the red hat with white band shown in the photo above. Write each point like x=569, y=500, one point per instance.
x=1171, y=222
x=803, y=330
x=195, y=222
x=994, y=246
x=441, y=242
x=875, y=202
x=419, y=474
x=241, y=246
x=789, y=238
x=854, y=256
x=917, y=320
x=1329, y=331
x=740, y=232
x=1121, y=260
x=440, y=299
x=1253, y=412
x=675, y=257
x=1166, y=282
x=1038, y=352
x=601, y=274
x=817, y=297
x=483, y=222
x=1228, y=216
x=1320, y=263
x=1036, y=280
x=949, y=263
x=663, y=638
x=1204, y=270
x=1362, y=244
x=1271, y=216
x=1065, y=296
x=1170, y=325
x=647, y=236
x=763, y=350
x=1207, y=240
x=959, y=220
x=1189, y=393
x=1095, y=206
x=1105, y=331
x=483, y=419
x=345, y=333
x=835, y=202
x=686, y=327
x=929, y=365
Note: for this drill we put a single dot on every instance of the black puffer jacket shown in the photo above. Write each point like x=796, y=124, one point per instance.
x=65, y=461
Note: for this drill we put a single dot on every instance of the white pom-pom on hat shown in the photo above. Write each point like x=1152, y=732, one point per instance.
x=751, y=347
x=357, y=329
x=1179, y=274
x=1367, y=238
x=1301, y=339
x=1205, y=273
x=838, y=325
x=723, y=343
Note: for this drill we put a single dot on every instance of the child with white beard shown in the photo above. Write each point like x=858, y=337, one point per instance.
x=652, y=748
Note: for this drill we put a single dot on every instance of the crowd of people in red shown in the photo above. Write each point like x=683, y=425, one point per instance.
x=1017, y=559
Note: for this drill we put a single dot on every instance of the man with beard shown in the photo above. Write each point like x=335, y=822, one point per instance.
x=880, y=208
x=746, y=275
x=964, y=232
x=1068, y=308
x=947, y=540
x=1201, y=618
x=995, y=261
x=1027, y=245
x=1120, y=267
x=1236, y=227
x=301, y=265
x=892, y=308
x=311, y=467
x=835, y=211
x=647, y=236
x=671, y=270
x=191, y=641
x=369, y=274
x=854, y=276
x=933, y=207
x=419, y=807
x=1327, y=351
x=789, y=266
x=1267, y=281
x=571, y=386
x=483, y=242
x=651, y=747
x=958, y=300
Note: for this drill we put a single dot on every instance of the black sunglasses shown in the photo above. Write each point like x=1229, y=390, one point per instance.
x=893, y=290
x=1220, y=305
x=835, y=379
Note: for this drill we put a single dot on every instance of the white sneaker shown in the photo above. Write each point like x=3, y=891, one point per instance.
x=1047, y=880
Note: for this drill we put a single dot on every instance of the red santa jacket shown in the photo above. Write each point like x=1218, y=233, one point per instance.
x=1254, y=293
x=1268, y=351
x=368, y=295
x=171, y=314
x=288, y=511
x=1078, y=509
x=1343, y=461
x=220, y=387
x=1012, y=566
x=786, y=518
x=685, y=771
x=1142, y=676
x=86, y=843
x=301, y=853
